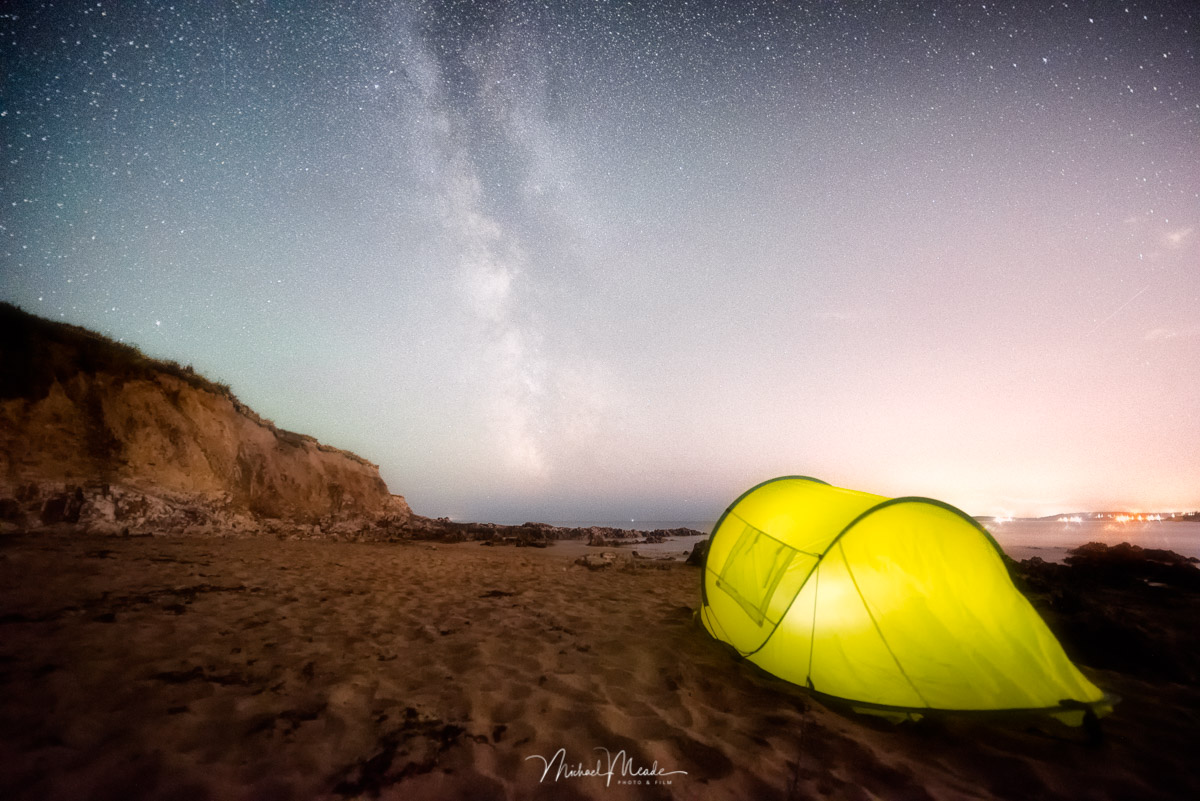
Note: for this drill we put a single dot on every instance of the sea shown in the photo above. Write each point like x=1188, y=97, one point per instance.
x=1020, y=538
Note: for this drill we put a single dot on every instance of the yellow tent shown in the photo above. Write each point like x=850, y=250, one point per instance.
x=896, y=605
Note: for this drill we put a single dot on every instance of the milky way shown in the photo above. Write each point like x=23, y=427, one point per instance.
x=604, y=260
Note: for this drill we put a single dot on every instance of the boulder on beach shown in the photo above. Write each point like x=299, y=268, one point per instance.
x=597, y=561
x=699, y=554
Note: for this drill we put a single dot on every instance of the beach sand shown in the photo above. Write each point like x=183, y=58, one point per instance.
x=228, y=669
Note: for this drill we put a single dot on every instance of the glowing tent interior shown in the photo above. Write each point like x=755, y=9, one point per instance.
x=897, y=605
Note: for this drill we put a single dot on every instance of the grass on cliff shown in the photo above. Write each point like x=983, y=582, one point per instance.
x=36, y=352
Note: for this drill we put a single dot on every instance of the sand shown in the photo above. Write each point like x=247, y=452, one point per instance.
x=230, y=669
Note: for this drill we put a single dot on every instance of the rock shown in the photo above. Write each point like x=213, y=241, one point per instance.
x=1124, y=564
x=63, y=507
x=594, y=561
x=1115, y=608
x=699, y=555
x=10, y=509
x=604, y=537
x=1124, y=555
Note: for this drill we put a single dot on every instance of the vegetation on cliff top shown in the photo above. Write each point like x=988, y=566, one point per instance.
x=36, y=353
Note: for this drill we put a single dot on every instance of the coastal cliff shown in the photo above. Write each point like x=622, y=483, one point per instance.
x=95, y=435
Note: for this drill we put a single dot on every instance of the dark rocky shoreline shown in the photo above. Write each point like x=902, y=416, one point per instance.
x=120, y=509
x=1122, y=608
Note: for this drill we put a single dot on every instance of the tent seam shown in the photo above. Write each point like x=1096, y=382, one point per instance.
x=783, y=617
x=878, y=630
x=812, y=632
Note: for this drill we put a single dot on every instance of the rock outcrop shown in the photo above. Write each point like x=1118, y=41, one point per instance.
x=1121, y=607
x=93, y=434
x=699, y=554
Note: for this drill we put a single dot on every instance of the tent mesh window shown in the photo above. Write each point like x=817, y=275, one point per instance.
x=754, y=569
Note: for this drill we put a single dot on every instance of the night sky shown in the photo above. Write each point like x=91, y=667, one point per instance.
x=608, y=260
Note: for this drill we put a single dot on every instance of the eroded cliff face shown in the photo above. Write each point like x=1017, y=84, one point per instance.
x=95, y=435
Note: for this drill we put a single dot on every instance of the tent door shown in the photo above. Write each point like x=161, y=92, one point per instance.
x=753, y=570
